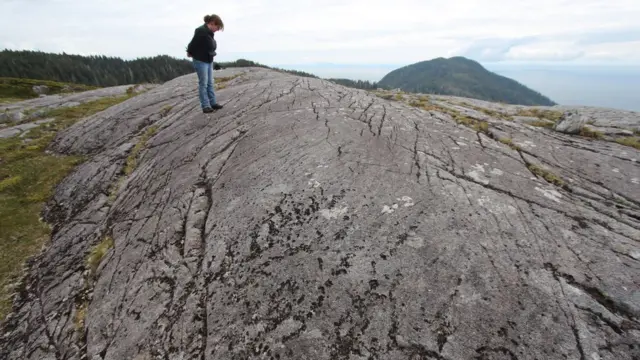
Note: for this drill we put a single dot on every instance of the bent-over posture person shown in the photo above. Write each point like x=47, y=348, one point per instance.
x=202, y=49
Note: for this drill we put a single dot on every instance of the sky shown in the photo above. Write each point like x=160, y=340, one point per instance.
x=574, y=51
x=337, y=31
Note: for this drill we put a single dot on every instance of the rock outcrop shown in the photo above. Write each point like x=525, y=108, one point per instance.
x=33, y=108
x=306, y=220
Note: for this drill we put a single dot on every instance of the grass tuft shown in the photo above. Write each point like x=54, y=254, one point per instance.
x=552, y=115
x=541, y=123
x=632, y=141
x=477, y=125
x=97, y=254
x=384, y=96
x=593, y=134
x=165, y=110
x=493, y=113
x=546, y=174
x=132, y=159
x=80, y=316
x=481, y=126
x=510, y=143
x=221, y=82
x=16, y=89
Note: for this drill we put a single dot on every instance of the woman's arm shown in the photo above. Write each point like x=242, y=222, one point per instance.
x=190, y=46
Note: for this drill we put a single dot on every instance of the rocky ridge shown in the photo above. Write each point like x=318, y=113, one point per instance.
x=306, y=220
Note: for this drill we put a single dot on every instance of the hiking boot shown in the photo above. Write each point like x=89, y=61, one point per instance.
x=207, y=110
x=216, y=107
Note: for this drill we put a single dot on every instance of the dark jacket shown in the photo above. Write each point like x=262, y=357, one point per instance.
x=203, y=46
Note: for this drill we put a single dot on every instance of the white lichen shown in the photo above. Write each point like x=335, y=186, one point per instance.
x=333, y=213
x=389, y=209
x=550, y=194
x=477, y=174
x=407, y=201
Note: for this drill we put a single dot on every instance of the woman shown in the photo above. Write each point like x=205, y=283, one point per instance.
x=202, y=49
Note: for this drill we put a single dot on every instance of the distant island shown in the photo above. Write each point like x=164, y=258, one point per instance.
x=459, y=76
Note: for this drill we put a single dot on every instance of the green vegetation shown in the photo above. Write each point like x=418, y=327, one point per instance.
x=494, y=114
x=416, y=103
x=80, y=316
x=459, y=76
x=386, y=96
x=13, y=89
x=552, y=115
x=132, y=159
x=165, y=110
x=510, y=143
x=93, y=261
x=131, y=90
x=91, y=70
x=593, y=134
x=97, y=253
x=356, y=84
x=221, y=82
x=633, y=141
x=477, y=125
x=8, y=100
x=28, y=177
x=546, y=174
x=541, y=123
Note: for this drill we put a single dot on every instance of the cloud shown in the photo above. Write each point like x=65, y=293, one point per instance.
x=554, y=51
x=338, y=31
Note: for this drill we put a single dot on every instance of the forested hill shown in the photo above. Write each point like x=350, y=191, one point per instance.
x=103, y=70
x=459, y=76
x=91, y=70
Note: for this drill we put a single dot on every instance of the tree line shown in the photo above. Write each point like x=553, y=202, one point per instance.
x=95, y=70
x=100, y=70
x=358, y=84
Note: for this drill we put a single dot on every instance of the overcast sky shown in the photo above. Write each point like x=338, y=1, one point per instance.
x=334, y=31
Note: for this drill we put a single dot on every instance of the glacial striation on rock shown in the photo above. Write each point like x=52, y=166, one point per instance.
x=306, y=220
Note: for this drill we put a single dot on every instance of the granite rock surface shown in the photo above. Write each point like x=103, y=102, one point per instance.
x=307, y=220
